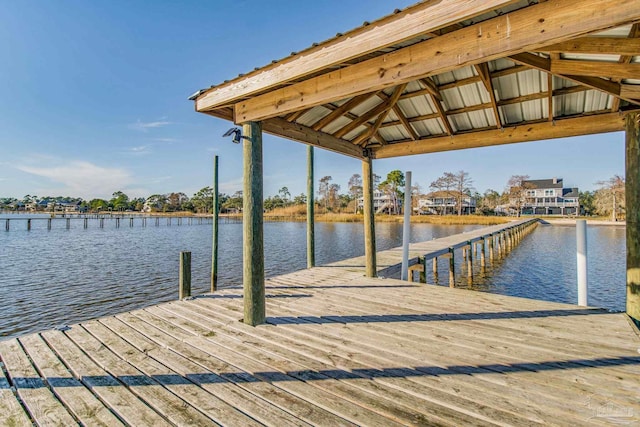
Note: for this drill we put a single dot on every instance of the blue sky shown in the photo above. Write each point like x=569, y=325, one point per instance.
x=93, y=99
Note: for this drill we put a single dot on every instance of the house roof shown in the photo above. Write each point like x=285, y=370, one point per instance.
x=544, y=183
x=449, y=75
x=571, y=192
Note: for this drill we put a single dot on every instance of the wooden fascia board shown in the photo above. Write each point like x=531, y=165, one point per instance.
x=515, y=32
x=281, y=127
x=596, y=45
x=416, y=20
x=595, y=69
x=562, y=128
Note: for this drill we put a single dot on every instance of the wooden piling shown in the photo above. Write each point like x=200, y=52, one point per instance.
x=157, y=222
x=369, y=220
x=101, y=223
x=184, y=289
x=491, y=239
x=86, y=223
x=214, y=243
x=435, y=266
x=311, y=240
x=483, y=262
x=470, y=263
x=131, y=222
x=252, y=226
x=68, y=223
x=452, y=269
x=632, y=201
x=29, y=224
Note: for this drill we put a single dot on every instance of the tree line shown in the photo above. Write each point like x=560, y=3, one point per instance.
x=608, y=200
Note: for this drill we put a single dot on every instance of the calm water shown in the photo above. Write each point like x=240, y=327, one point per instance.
x=60, y=276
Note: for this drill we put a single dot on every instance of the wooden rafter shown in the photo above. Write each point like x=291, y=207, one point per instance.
x=544, y=64
x=528, y=29
x=483, y=72
x=296, y=115
x=442, y=115
x=553, y=56
x=296, y=132
x=388, y=105
x=595, y=69
x=583, y=125
x=634, y=35
x=411, y=22
x=341, y=111
x=596, y=45
x=405, y=123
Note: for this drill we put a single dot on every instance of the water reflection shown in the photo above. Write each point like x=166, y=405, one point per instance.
x=51, y=277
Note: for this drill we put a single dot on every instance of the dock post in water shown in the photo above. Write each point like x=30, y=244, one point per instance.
x=369, y=220
x=581, y=252
x=491, y=239
x=252, y=226
x=452, y=269
x=470, y=263
x=29, y=224
x=68, y=223
x=483, y=262
x=406, y=226
x=6, y=225
x=311, y=238
x=185, y=275
x=86, y=222
x=632, y=200
x=214, y=243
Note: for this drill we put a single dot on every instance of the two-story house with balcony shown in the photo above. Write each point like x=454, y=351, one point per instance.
x=445, y=202
x=549, y=197
x=381, y=202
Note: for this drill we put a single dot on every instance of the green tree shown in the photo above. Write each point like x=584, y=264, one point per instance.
x=284, y=195
x=119, y=201
x=446, y=185
x=157, y=202
x=323, y=190
x=517, y=187
x=391, y=187
x=300, y=199
x=203, y=200
x=97, y=205
x=587, y=202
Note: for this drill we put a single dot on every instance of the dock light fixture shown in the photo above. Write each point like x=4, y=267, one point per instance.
x=237, y=135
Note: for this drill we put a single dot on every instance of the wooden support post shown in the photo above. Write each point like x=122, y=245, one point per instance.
x=311, y=238
x=157, y=222
x=452, y=269
x=483, y=262
x=101, y=223
x=632, y=200
x=470, y=263
x=29, y=224
x=184, y=289
x=491, y=240
x=369, y=220
x=68, y=223
x=131, y=222
x=252, y=226
x=423, y=271
x=435, y=266
x=117, y=222
x=86, y=223
x=214, y=222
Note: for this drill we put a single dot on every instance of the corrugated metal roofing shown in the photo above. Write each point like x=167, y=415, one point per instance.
x=460, y=100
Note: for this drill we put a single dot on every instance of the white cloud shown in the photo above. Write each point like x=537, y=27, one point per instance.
x=81, y=178
x=142, y=149
x=145, y=126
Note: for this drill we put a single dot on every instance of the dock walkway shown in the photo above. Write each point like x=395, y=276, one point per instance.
x=338, y=349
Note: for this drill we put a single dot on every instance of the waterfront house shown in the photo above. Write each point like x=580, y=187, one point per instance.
x=382, y=203
x=549, y=197
x=444, y=202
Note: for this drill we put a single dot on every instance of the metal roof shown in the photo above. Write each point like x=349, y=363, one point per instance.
x=502, y=92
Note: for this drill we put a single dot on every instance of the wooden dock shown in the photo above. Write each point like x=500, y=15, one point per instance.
x=338, y=349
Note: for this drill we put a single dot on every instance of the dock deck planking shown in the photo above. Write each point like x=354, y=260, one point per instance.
x=337, y=349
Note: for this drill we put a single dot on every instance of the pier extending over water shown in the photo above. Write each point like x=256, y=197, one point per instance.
x=338, y=348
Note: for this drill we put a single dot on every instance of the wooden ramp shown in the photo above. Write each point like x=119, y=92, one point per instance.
x=339, y=349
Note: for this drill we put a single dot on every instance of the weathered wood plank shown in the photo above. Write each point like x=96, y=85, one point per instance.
x=122, y=401
x=11, y=412
x=41, y=403
x=78, y=399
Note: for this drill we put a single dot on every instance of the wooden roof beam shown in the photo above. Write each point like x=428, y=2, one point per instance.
x=595, y=69
x=519, y=31
x=596, y=46
x=562, y=128
x=296, y=132
x=483, y=71
x=341, y=110
x=543, y=64
x=634, y=34
x=413, y=21
x=389, y=104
